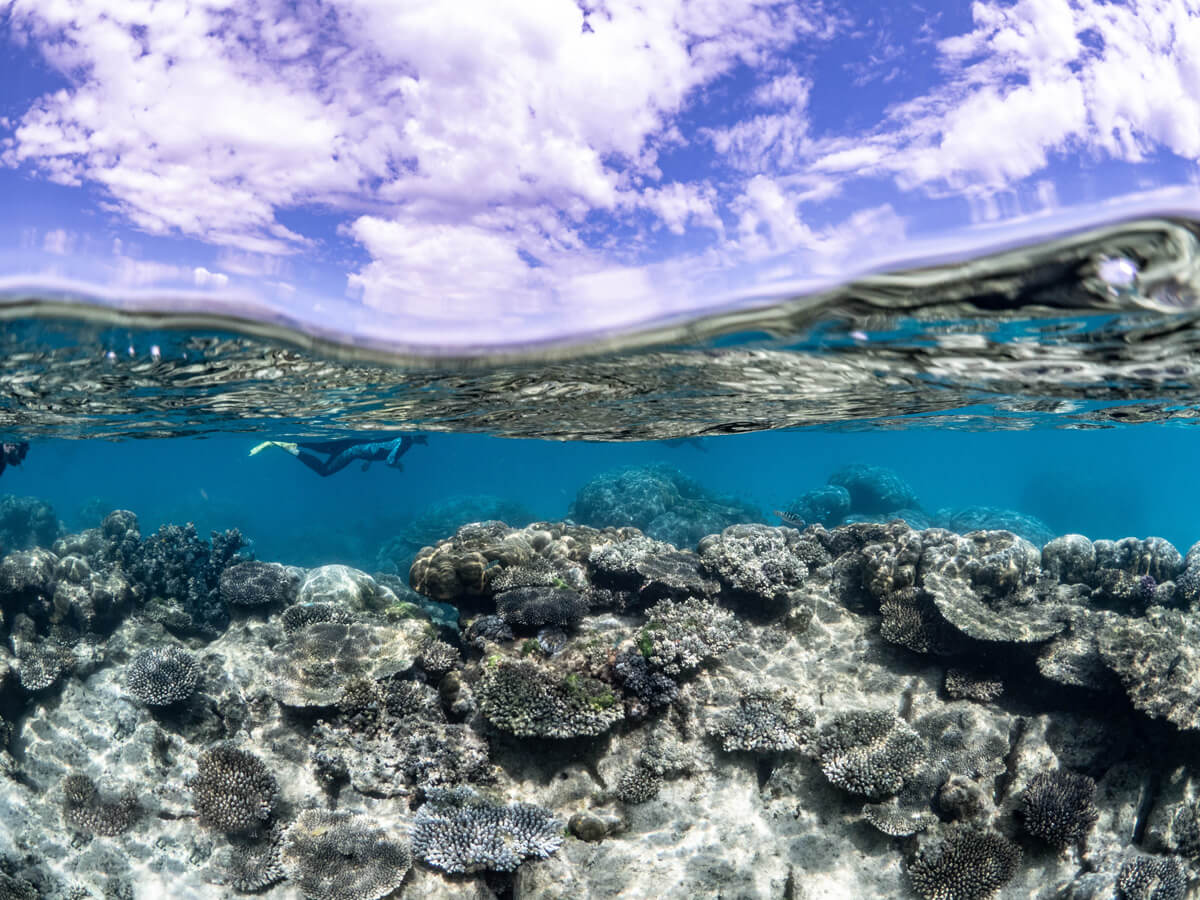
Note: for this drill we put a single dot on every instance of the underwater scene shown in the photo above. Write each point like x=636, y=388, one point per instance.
x=888, y=592
x=599, y=450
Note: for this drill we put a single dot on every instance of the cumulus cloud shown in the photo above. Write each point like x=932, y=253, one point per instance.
x=527, y=153
x=206, y=279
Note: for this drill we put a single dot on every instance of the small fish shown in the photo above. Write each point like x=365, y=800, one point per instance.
x=791, y=519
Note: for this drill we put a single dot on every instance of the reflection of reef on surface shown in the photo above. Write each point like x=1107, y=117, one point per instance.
x=1036, y=326
x=869, y=709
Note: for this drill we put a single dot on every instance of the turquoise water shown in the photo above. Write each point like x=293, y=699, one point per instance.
x=1107, y=483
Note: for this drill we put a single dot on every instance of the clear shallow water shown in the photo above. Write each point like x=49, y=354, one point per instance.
x=1047, y=391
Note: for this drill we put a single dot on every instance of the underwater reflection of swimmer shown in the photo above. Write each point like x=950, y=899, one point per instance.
x=340, y=453
x=12, y=454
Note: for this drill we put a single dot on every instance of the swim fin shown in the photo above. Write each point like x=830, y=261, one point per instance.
x=282, y=445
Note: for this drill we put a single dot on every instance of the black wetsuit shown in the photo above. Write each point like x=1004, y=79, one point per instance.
x=12, y=454
x=340, y=453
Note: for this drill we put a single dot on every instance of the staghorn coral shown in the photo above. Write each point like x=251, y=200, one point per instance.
x=162, y=676
x=459, y=831
x=84, y=810
x=529, y=699
x=40, y=665
x=1059, y=807
x=967, y=864
x=764, y=721
x=179, y=574
x=682, y=635
x=233, y=790
x=343, y=856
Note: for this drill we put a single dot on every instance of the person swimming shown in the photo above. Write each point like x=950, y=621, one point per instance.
x=12, y=454
x=340, y=453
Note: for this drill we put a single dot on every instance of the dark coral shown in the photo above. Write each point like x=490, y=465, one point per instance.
x=254, y=583
x=162, y=676
x=459, y=831
x=533, y=607
x=25, y=523
x=487, y=629
x=343, y=856
x=85, y=811
x=651, y=687
x=967, y=864
x=180, y=573
x=1059, y=807
x=1152, y=878
x=233, y=790
x=874, y=490
x=529, y=699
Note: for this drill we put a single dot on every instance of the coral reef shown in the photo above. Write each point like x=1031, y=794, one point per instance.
x=660, y=501
x=342, y=856
x=162, y=676
x=1059, y=807
x=765, y=721
x=458, y=831
x=26, y=522
x=233, y=790
x=966, y=864
x=681, y=636
x=180, y=574
x=85, y=811
x=255, y=583
x=530, y=699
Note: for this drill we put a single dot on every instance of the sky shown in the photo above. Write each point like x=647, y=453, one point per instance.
x=488, y=173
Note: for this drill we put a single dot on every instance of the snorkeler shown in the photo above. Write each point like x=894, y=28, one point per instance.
x=12, y=454
x=340, y=453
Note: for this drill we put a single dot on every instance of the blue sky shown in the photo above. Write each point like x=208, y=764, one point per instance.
x=483, y=173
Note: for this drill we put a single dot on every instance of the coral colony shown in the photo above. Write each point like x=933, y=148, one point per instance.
x=943, y=704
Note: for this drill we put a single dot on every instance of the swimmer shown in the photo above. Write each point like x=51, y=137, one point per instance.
x=340, y=453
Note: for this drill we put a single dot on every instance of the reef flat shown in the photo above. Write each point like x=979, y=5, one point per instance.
x=861, y=709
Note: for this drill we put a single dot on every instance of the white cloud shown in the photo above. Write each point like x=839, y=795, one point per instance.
x=58, y=241
x=206, y=279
